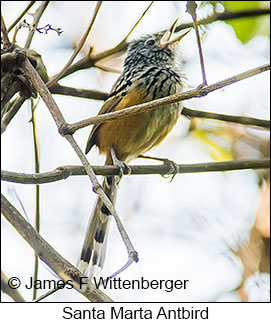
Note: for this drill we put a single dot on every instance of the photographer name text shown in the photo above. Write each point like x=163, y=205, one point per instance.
x=168, y=285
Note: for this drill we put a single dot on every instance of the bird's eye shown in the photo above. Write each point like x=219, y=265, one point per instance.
x=149, y=42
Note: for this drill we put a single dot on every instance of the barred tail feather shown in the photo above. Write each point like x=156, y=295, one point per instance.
x=94, y=248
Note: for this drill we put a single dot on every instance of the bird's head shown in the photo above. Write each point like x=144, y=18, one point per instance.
x=158, y=48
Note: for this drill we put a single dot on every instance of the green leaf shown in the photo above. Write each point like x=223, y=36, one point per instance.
x=247, y=28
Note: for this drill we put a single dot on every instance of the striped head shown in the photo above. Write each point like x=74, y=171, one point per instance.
x=156, y=49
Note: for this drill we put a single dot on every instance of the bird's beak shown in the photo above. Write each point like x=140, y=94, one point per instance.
x=165, y=40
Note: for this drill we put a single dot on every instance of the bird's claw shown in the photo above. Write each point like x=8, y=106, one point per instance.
x=172, y=169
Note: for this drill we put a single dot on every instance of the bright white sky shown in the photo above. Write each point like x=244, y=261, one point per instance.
x=182, y=230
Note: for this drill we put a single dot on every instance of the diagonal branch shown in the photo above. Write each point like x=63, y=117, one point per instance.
x=11, y=292
x=13, y=109
x=45, y=94
x=135, y=25
x=37, y=17
x=164, y=102
x=4, y=34
x=52, y=258
x=186, y=112
x=191, y=9
x=78, y=47
x=227, y=15
x=31, y=3
x=91, y=60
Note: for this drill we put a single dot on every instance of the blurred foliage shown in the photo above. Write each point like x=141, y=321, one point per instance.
x=215, y=150
x=247, y=28
x=216, y=141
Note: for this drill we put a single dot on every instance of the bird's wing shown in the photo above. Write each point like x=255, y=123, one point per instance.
x=116, y=95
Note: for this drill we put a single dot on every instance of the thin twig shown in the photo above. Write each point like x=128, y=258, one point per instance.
x=91, y=60
x=191, y=113
x=65, y=172
x=4, y=38
x=39, y=12
x=42, y=30
x=52, y=258
x=107, y=69
x=225, y=16
x=81, y=93
x=78, y=47
x=124, y=41
x=21, y=16
x=238, y=14
x=164, y=102
x=45, y=295
x=136, y=24
x=37, y=211
x=191, y=9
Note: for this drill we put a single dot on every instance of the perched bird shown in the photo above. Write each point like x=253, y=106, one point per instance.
x=151, y=71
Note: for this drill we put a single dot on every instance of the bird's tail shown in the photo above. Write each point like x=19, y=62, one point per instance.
x=94, y=248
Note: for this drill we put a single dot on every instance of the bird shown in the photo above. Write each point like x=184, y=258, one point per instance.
x=151, y=71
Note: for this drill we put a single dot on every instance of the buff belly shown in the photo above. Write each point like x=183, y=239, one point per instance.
x=137, y=134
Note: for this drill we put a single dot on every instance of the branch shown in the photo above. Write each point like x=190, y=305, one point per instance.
x=14, y=108
x=9, y=88
x=78, y=47
x=191, y=7
x=81, y=93
x=53, y=259
x=226, y=15
x=90, y=61
x=4, y=32
x=186, y=112
x=230, y=15
x=37, y=202
x=39, y=12
x=191, y=113
x=64, y=172
x=31, y=3
x=135, y=25
x=45, y=94
x=11, y=292
x=164, y=102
